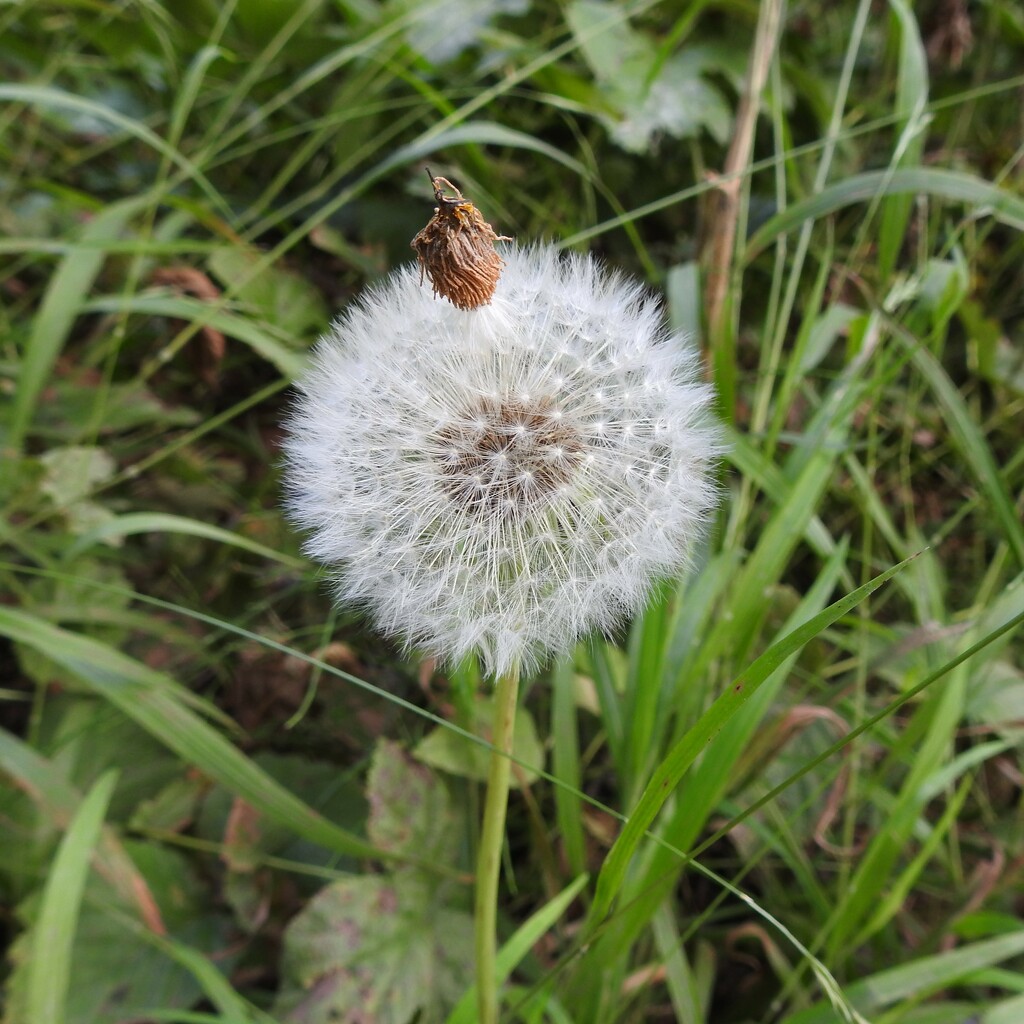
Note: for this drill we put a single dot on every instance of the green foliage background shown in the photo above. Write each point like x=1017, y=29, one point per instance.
x=224, y=801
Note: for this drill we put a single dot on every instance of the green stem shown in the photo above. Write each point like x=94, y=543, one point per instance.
x=492, y=836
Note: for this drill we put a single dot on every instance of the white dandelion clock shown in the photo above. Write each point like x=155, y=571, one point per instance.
x=506, y=480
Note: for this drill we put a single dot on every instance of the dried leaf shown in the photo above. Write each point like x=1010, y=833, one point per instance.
x=189, y=281
x=456, y=250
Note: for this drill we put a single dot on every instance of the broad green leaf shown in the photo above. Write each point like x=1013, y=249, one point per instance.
x=385, y=949
x=33, y=773
x=944, y=286
x=1004, y=365
x=278, y=297
x=606, y=39
x=410, y=812
x=680, y=102
x=379, y=950
x=439, y=31
x=675, y=98
x=56, y=801
x=824, y=332
x=128, y=405
x=337, y=794
x=72, y=473
x=457, y=755
x=997, y=699
x=107, y=939
x=171, y=805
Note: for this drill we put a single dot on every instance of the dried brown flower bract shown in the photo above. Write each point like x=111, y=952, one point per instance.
x=456, y=249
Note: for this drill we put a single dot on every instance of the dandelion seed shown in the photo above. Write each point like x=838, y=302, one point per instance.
x=523, y=483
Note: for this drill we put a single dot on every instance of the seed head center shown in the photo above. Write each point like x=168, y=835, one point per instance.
x=507, y=455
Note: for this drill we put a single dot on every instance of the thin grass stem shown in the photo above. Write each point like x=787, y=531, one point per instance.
x=492, y=835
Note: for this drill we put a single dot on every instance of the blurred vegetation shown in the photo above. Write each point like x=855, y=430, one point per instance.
x=224, y=801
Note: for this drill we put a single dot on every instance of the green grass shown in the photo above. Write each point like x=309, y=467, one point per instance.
x=197, y=753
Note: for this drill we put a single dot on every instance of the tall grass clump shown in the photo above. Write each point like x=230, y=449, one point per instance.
x=783, y=785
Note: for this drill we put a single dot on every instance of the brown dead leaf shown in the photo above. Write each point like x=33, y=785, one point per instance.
x=241, y=836
x=209, y=354
x=456, y=250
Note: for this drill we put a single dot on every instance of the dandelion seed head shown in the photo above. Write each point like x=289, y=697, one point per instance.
x=507, y=480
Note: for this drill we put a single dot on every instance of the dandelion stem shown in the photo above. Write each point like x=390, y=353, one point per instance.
x=491, y=838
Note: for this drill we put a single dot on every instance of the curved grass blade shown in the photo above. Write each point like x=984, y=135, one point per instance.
x=163, y=522
x=954, y=185
x=480, y=133
x=45, y=96
x=289, y=362
x=61, y=304
x=161, y=712
x=672, y=768
x=77, y=649
x=968, y=437
x=918, y=979
x=53, y=935
x=57, y=802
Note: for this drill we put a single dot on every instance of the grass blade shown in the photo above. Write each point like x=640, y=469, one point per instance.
x=163, y=522
x=566, y=763
x=700, y=792
x=253, y=334
x=44, y=96
x=524, y=939
x=160, y=712
x=918, y=979
x=683, y=754
x=479, y=133
x=968, y=438
x=61, y=304
x=911, y=99
x=53, y=935
x=953, y=185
